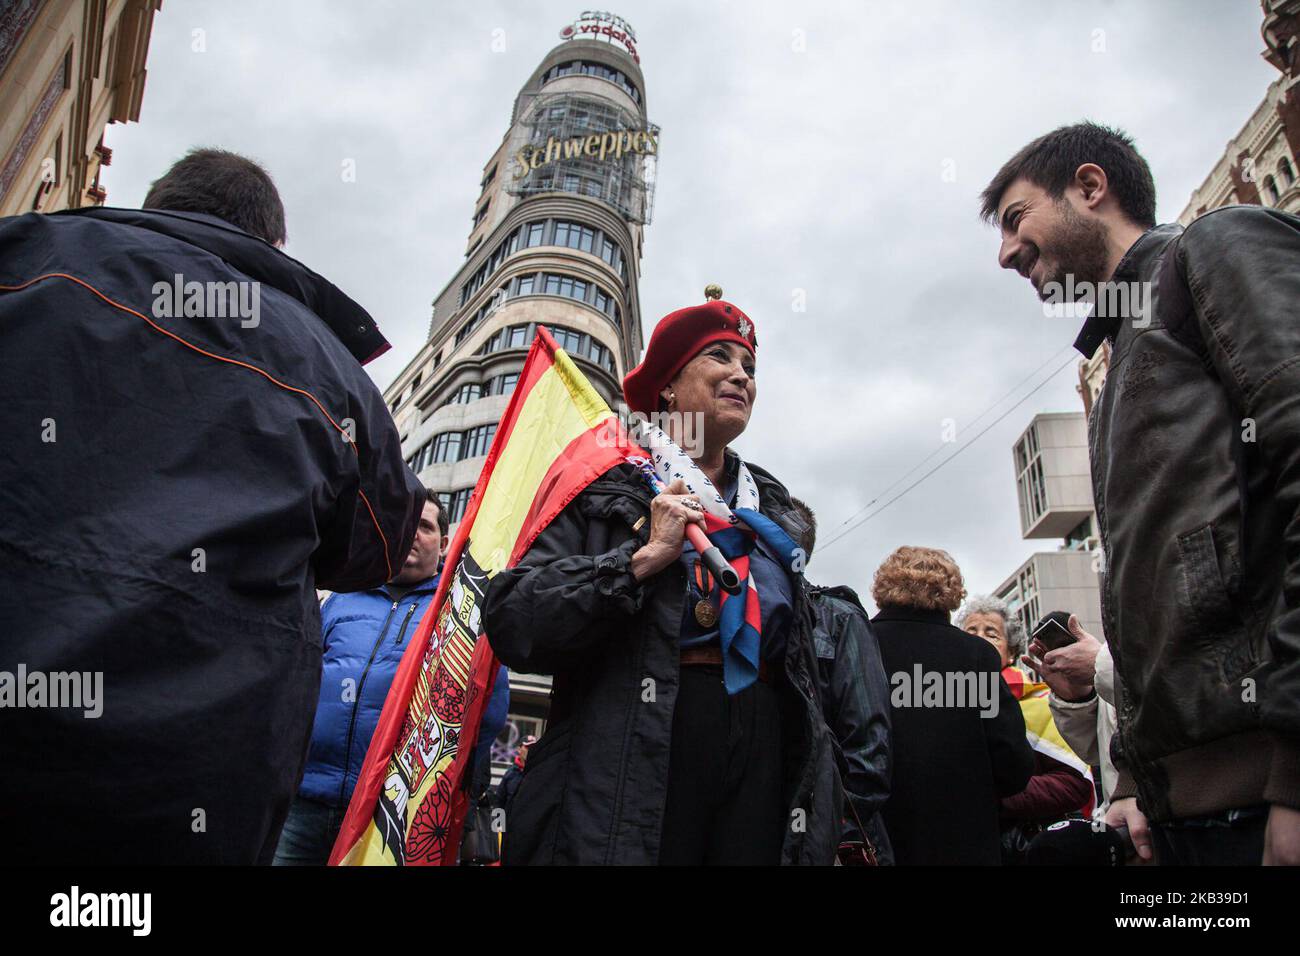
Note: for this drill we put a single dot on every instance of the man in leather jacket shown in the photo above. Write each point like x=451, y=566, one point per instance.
x=1195, y=448
x=854, y=695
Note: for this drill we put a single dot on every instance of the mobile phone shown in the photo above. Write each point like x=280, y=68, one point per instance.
x=1052, y=635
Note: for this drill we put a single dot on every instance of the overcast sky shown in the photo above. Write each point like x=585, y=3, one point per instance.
x=804, y=147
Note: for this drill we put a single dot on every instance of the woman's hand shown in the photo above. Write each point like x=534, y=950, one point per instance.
x=669, y=516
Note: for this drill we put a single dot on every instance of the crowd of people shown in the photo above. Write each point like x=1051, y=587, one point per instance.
x=179, y=487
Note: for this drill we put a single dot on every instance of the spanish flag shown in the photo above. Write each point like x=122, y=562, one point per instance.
x=556, y=437
x=1040, y=729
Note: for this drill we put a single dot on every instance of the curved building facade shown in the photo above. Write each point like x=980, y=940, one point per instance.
x=555, y=239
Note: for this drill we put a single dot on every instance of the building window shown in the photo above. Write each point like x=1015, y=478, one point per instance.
x=536, y=231
x=567, y=339
x=1271, y=190
x=525, y=286
x=478, y=441
x=455, y=503
x=599, y=70
x=611, y=253
x=487, y=179
x=481, y=214
x=1029, y=598
x=567, y=286
x=467, y=393
x=504, y=384
x=446, y=447
x=1029, y=478
x=468, y=328
x=516, y=336
x=1038, y=487
x=604, y=301
x=602, y=357
x=575, y=236
x=1286, y=172
x=1077, y=539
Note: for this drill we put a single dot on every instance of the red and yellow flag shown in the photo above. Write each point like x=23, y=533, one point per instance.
x=556, y=437
x=1040, y=728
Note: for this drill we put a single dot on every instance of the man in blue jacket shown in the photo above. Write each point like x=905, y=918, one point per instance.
x=365, y=635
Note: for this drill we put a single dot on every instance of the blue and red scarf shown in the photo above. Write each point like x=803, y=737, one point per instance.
x=735, y=532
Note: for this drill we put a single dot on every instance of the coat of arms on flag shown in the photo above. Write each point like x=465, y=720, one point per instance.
x=555, y=438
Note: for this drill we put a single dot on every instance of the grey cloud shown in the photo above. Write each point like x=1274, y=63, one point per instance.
x=780, y=170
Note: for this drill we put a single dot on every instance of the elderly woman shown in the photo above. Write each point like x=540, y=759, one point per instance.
x=1061, y=784
x=958, y=740
x=684, y=727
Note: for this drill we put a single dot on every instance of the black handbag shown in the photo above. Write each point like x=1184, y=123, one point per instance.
x=480, y=845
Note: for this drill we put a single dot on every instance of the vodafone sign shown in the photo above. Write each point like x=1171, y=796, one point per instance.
x=598, y=25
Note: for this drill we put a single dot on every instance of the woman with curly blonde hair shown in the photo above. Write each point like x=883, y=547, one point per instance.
x=925, y=578
x=958, y=737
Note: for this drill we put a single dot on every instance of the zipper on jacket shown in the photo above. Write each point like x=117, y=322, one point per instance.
x=405, y=621
x=352, y=720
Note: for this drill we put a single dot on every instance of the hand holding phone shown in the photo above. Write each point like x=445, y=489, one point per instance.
x=1052, y=636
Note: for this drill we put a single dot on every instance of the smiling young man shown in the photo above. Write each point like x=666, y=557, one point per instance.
x=1195, y=448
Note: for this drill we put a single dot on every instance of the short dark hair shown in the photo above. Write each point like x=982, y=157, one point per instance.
x=1050, y=162
x=443, y=523
x=808, y=534
x=225, y=185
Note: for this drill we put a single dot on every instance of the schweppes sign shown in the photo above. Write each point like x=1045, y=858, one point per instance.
x=598, y=146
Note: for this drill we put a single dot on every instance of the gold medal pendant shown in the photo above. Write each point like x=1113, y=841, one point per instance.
x=706, y=613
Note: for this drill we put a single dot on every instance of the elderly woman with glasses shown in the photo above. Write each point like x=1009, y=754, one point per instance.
x=1061, y=784
x=684, y=725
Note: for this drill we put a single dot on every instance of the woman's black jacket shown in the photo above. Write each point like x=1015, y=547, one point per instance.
x=594, y=785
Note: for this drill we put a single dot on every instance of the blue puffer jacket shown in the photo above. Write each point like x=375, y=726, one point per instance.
x=364, y=635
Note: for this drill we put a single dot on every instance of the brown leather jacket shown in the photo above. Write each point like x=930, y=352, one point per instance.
x=1195, y=446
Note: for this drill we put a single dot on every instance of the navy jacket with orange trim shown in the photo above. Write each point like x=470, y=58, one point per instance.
x=191, y=448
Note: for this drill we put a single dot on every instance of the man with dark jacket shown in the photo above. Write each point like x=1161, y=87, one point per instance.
x=854, y=696
x=1195, y=447
x=192, y=448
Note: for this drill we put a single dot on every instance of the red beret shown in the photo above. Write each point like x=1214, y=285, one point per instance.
x=676, y=340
